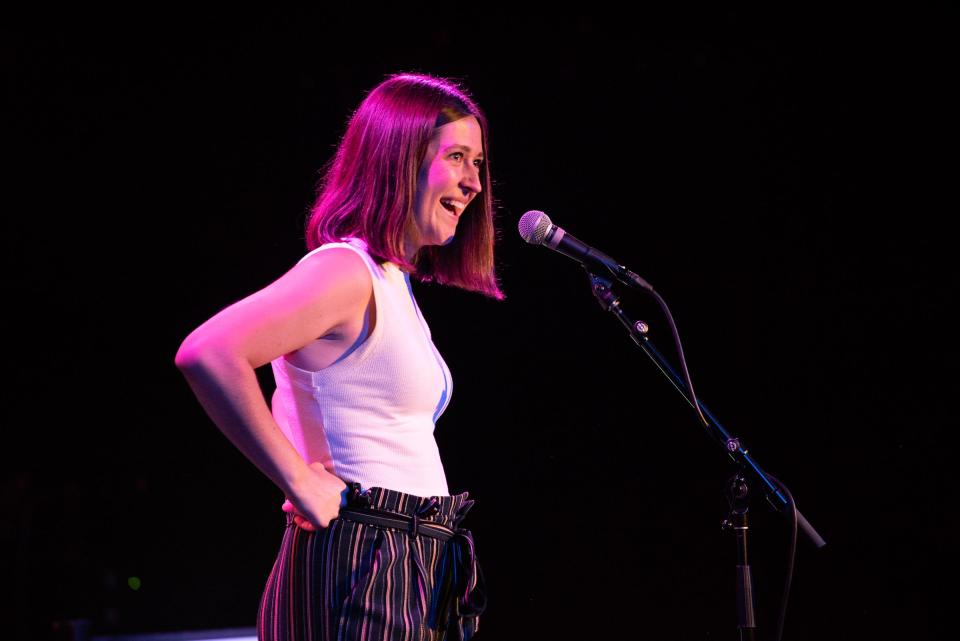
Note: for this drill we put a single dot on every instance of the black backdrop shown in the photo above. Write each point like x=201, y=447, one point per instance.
x=788, y=198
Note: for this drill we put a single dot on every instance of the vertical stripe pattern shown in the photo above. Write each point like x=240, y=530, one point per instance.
x=360, y=582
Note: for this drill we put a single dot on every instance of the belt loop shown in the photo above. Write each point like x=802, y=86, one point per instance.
x=431, y=507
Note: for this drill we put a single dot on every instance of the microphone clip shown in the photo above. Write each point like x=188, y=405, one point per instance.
x=602, y=288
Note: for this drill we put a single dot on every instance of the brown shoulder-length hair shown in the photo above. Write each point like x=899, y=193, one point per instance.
x=367, y=189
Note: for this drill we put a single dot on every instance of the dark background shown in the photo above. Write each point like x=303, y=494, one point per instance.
x=791, y=199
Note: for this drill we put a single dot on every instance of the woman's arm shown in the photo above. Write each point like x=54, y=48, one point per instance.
x=329, y=289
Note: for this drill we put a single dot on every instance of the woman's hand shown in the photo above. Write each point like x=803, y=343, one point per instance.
x=318, y=497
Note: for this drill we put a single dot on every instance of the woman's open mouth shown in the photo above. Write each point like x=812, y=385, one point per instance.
x=453, y=206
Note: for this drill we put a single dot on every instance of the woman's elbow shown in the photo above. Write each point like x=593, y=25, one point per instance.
x=201, y=351
x=194, y=350
x=187, y=356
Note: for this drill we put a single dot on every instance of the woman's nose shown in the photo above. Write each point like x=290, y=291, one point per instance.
x=471, y=179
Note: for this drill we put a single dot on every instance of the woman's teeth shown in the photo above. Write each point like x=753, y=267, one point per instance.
x=452, y=206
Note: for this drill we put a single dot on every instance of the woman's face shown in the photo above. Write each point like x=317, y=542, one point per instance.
x=448, y=181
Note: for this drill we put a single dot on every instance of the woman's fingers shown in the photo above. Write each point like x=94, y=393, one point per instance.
x=304, y=523
x=298, y=518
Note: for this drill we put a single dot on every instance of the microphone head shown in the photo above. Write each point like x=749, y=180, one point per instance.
x=534, y=226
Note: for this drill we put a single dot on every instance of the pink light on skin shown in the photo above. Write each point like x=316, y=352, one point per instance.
x=448, y=181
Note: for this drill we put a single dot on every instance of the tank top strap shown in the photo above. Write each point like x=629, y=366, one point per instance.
x=359, y=247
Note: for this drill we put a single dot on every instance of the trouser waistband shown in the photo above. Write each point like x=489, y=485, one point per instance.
x=447, y=510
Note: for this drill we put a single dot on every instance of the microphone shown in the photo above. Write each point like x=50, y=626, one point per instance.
x=536, y=229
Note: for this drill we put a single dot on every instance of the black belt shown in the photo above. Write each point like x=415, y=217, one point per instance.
x=458, y=562
x=413, y=525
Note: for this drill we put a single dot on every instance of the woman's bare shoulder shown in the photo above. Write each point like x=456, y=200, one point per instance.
x=337, y=266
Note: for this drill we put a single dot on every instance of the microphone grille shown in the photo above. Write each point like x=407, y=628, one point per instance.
x=534, y=226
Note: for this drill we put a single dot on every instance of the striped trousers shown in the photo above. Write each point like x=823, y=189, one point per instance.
x=361, y=582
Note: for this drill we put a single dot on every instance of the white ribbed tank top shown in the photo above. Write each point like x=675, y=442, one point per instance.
x=370, y=416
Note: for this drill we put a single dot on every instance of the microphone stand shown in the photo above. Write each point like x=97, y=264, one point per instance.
x=738, y=490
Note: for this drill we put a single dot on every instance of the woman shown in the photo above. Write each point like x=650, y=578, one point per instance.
x=373, y=548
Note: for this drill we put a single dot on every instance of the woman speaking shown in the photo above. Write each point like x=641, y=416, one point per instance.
x=373, y=548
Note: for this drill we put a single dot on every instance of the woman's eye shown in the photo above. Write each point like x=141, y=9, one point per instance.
x=458, y=156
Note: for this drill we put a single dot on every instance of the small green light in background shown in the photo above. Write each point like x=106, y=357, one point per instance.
x=134, y=582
